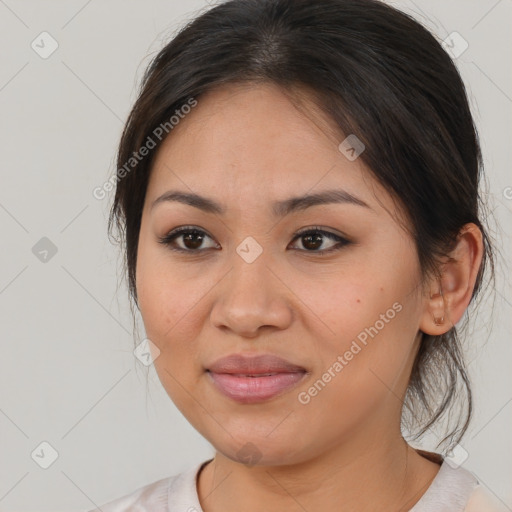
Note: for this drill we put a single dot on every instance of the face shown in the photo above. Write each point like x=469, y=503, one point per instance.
x=332, y=287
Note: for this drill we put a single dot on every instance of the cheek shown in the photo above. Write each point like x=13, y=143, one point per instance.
x=367, y=348
x=350, y=294
x=340, y=307
x=169, y=310
x=170, y=321
x=166, y=298
x=159, y=307
x=356, y=379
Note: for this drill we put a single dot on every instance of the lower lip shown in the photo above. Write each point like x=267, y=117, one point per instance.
x=249, y=390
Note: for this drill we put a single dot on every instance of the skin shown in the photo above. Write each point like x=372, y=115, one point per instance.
x=246, y=147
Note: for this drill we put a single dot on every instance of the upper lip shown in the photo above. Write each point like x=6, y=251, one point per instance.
x=253, y=365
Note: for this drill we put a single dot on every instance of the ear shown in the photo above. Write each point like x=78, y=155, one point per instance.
x=450, y=294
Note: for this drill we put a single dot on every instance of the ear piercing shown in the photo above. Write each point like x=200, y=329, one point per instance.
x=438, y=320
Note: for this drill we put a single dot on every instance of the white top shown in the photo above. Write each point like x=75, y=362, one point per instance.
x=452, y=490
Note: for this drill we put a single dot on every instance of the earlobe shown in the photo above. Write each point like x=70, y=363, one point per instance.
x=437, y=307
x=451, y=293
x=435, y=319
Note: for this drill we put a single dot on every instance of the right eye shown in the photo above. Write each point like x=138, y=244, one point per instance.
x=186, y=239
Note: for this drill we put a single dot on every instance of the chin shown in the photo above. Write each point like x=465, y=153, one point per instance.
x=260, y=450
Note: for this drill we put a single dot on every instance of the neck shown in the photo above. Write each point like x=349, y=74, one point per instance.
x=350, y=477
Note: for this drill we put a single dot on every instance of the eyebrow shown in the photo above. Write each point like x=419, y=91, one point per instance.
x=279, y=208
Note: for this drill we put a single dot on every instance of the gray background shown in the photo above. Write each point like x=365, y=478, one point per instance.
x=68, y=375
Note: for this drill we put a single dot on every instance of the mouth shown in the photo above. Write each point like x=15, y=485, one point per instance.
x=249, y=389
x=254, y=379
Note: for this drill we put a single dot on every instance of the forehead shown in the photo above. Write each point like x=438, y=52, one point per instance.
x=251, y=142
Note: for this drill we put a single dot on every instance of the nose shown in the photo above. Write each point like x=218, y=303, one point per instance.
x=251, y=298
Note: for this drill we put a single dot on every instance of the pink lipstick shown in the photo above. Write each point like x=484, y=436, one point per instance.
x=253, y=379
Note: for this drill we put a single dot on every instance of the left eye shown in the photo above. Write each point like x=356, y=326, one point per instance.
x=312, y=239
x=191, y=239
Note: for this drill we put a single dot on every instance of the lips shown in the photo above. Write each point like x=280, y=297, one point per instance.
x=253, y=379
x=237, y=364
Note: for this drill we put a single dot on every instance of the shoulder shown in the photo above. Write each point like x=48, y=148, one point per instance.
x=177, y=492
x=149, y=497
x=481, y=500
x=457, y=489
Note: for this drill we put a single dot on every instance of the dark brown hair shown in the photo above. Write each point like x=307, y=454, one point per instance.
x=376, y=73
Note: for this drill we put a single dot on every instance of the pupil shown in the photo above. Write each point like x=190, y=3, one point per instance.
x=192, y=240
x=315, y=240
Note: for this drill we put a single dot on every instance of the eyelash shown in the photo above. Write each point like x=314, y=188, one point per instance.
x=168, y=239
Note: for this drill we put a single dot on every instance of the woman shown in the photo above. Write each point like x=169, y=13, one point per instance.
x=298, y=196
